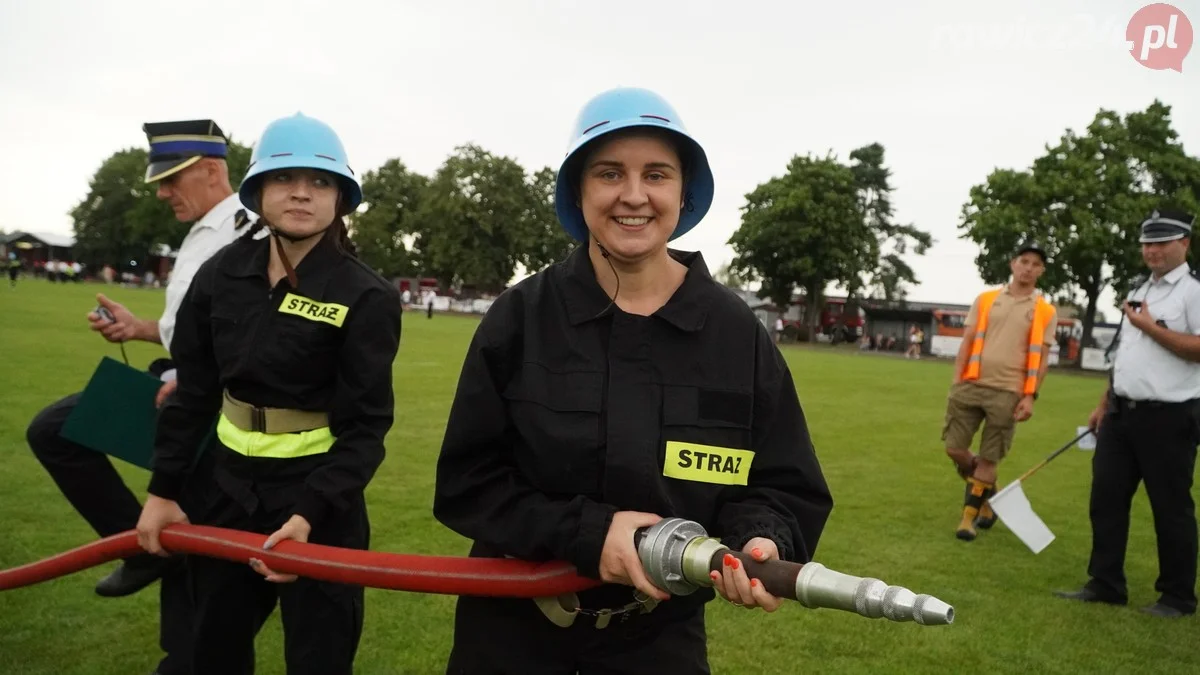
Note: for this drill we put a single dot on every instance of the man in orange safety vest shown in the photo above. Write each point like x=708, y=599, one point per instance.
x=999, y=369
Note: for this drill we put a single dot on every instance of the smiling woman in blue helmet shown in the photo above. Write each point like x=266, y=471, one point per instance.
x=581, y=394
x=288, y=341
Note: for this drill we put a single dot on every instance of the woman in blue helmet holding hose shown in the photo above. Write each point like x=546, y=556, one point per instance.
x=288, y=342
x=585, y=390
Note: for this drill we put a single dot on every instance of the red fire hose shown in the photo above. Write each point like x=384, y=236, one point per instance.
x=417, y=573
x=676, y=553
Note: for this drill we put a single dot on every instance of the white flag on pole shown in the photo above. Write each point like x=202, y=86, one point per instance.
x=1086, y=441
x=1013, y=507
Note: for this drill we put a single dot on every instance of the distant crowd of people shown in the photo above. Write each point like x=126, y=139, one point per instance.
x=71, y=271
x=57, y=270
x=889, y=343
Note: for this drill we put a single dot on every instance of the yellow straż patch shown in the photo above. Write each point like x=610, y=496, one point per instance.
x=326, y=312
x=707, y=463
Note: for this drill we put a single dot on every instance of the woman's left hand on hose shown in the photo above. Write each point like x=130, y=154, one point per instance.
x=296, y=529
x=734, y=585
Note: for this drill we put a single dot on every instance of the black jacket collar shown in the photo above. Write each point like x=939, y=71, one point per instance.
x=315, y=267
x=586, y=300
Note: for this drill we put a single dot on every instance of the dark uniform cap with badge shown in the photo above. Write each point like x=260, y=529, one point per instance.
x=1167, y=226
x=174, y=146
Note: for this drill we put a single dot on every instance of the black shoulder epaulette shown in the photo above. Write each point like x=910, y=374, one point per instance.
x=240, y=219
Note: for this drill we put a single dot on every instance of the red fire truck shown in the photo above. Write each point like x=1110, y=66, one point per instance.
x=839, y=320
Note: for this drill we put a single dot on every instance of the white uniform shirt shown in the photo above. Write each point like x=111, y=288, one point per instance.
x=208, y=235
x=1143, y=370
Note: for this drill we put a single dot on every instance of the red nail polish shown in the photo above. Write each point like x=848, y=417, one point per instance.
x=713, y=575
x=756, y=552
x=734, y=564
x=728, y=560
x=754, y=583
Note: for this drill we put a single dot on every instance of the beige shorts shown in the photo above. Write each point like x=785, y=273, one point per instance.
x=967, y=406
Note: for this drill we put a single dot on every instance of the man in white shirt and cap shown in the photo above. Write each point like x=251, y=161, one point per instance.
x=187, y=161
x=1148, y=426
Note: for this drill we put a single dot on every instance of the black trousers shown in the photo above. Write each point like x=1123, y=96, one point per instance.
x=93, y=487
x=322, y=621
x=505, y=636
x=1155, y=445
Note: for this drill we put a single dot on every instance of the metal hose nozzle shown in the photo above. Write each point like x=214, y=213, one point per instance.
x=678, y=555
x=818, y=586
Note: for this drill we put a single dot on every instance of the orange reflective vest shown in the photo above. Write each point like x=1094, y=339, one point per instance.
x=1043, y=312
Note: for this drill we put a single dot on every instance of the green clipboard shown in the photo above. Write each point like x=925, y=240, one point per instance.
x=116, y=415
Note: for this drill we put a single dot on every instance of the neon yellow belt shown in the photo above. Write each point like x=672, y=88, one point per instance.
x=272, y=432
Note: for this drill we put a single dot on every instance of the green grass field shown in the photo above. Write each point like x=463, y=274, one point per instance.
x=875, y=422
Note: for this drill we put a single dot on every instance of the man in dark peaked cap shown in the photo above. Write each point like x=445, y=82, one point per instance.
x=1147, y=426
x=174, y=146
x=187, y=163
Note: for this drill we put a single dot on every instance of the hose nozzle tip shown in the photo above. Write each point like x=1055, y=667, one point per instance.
x=929, y=611
x=818, y=586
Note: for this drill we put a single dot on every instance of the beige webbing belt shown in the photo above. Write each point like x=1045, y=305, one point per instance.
x=271, y=420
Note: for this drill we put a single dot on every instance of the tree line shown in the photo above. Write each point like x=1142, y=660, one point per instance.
x=470, y=224
x=826, y=222
x=830, y=222
x=1084, y=199
x=823, y=222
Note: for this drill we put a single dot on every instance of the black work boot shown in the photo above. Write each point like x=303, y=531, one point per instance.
x=987, y=517
x=972, y=502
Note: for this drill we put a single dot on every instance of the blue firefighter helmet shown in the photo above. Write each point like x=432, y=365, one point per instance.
x=623, y=108
x=300, y=142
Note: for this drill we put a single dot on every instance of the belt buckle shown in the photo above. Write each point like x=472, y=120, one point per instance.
x=603, y=616
x=564, y=609
x=642, y=604
x=258, y=419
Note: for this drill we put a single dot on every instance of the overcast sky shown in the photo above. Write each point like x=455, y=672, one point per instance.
x=951, y=89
